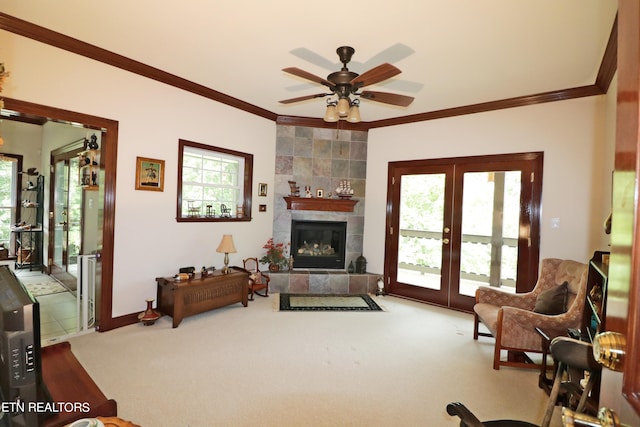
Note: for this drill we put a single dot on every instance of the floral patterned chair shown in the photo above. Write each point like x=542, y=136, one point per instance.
x=513, y=318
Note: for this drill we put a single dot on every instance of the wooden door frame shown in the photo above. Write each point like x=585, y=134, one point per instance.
x=109, y=157
x=623, y=299
x=529, y=245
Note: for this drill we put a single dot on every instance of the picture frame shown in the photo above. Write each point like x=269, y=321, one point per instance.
x=262, y=208
x=262, y=190
x=320, y=193
x=149, y=174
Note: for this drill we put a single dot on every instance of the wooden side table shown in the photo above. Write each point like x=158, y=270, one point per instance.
x=179, y=299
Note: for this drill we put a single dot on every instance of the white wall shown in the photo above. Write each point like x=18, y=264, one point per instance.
x=152, y=117
x=574, y=136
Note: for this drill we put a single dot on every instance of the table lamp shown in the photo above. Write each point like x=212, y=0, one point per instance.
x=226, y=246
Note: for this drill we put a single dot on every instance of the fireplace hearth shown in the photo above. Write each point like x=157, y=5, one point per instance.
x=318, y=244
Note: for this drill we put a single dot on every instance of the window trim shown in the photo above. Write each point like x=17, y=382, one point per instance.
x=248, y=180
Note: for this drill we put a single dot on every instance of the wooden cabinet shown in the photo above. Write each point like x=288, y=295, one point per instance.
x=179, y=299
x=89, y=169
x=596, y=300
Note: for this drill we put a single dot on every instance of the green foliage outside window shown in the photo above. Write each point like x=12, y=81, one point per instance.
x=211, y=177
x=7, y=195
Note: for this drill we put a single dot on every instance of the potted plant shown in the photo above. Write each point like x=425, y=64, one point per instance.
x=277, y=255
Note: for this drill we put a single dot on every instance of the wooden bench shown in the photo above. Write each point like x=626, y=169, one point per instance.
x=179, y=299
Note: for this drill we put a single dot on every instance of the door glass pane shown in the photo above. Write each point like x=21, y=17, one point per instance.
x=60, y=213
x=74, y=217
x=490, y=226
x=421, y=222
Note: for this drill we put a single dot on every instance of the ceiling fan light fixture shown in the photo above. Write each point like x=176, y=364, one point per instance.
x=331, y=115
x=345, y=83
x=354, y=112
x=343, y=106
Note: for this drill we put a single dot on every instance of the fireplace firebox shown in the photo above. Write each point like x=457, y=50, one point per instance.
x=318, y=244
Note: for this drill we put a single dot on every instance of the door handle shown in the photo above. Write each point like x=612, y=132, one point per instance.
x=606, y=418
x=609, y=349
x=445, y=241
x=447, y=229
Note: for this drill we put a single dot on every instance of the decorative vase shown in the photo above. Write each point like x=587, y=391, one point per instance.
x=351, y=269
x=274, y=268
x=149, y=316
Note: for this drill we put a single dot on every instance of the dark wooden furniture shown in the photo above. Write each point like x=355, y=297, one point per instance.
x=315, y=204
x=258, y=280
x=179, y=299
x=66, y=381
x=596, y=301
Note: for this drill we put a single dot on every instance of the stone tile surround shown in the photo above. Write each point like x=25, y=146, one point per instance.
x=321, y=158
x=322, y=282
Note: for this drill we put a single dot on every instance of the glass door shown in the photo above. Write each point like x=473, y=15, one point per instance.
x=457, y=224
x=423, y=238
x=67, y=218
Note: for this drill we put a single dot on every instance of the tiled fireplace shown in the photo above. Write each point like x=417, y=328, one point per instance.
x=321, y=158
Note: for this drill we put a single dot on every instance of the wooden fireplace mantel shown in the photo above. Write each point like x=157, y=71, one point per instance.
x=315, y=204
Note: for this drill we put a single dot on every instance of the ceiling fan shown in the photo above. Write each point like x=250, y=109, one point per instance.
x=346, y=84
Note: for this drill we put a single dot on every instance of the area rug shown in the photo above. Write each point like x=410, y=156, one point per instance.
x=45, y=288
x=327, y=302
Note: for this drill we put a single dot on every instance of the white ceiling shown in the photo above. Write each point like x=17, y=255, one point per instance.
x=451, y=52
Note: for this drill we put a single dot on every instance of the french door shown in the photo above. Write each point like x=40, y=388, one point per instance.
x=66, y=209
x=456, y=224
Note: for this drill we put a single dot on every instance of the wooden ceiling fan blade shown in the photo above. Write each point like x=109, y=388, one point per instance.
x=307, y=75
x=387, y=98
x=304, y=98
x=375, y=75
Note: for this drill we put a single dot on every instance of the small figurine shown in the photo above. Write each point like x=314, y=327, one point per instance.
x=294, y=189
x=93, y=143
x=307, y=191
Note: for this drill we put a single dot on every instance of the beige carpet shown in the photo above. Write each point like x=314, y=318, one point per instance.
x=252, y=366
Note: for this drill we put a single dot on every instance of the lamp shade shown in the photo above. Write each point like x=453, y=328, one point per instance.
x=226, y=245
x=331, y=115
x=354, y=114
x=343, y=107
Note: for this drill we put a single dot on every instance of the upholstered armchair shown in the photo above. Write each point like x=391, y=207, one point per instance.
x=511, y=318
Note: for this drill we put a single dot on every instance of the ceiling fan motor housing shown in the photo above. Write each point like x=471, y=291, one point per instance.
x=343, y=78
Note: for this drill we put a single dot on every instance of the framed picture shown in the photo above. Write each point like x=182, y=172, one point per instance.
x=149, y=174
x=320, y=193
x=262, y=190
x=262, y=208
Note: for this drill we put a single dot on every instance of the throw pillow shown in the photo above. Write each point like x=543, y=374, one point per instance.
x=552, y=301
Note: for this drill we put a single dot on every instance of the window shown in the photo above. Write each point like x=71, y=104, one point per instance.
x=214, y=184
x=9, y=194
